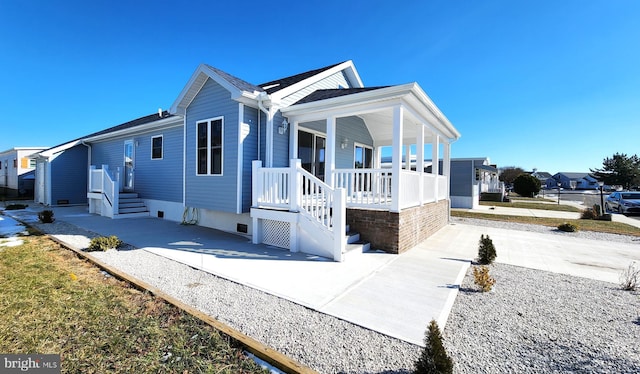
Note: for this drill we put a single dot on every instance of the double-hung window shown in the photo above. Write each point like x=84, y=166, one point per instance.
x=209, y=135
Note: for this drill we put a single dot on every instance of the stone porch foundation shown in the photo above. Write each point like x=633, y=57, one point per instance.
x=398, y=232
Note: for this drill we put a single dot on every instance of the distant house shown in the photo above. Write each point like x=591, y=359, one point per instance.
x=17, y=171
x=575, y=181
x=473, y=178
x=290, y=162
x=542, y=176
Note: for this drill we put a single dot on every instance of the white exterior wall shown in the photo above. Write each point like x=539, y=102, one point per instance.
x=224, y=221
x=9, y=173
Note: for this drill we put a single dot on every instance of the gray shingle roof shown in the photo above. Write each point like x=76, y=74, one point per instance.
x=331, y=93
x=240, y=84
x=123, y=126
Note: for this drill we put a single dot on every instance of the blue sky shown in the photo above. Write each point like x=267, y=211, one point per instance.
x=548, y=84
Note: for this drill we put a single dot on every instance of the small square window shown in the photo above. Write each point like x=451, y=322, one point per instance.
x=156, y=147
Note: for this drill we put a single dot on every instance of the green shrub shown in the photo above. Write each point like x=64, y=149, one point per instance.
x=46, y=216
x=434, y=358
x=568, y=227
x=103, y=243
x=16, y=206
x=526, y=185
x=482, y=278
x=486, y=250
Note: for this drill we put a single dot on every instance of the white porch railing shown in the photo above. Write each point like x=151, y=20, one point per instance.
x=443, y=187
x=296, y=190
x=102, y=184
x=492, y=186
x=365, y=187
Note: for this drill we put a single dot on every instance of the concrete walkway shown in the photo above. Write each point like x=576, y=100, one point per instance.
x=394, y=294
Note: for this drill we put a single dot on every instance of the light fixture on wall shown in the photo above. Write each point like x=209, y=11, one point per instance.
x=345, y=143
x=283, y=127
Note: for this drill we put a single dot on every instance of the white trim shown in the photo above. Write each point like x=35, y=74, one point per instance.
x=184, y=161
x=161, y=136
x=124, y=164
x=240, y=158
x=209, y=121
x=362, y=145
x=170, y=122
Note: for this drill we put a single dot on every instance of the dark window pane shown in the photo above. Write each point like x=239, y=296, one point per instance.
x=216, y=161
x=216, y=132
x=202, y=161
x=202, y=134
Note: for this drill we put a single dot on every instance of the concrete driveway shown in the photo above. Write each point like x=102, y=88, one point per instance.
x=394, y=294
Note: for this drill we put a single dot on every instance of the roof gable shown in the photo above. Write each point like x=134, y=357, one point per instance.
x=284, y=87
x=237, y=87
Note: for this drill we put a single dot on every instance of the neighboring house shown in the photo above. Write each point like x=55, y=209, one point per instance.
x=572, y=181
x=291, y=162
x=17, y=171
x=542, y=176
x=470, y=179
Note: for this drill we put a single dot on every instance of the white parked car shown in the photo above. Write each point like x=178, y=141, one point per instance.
x=623, y=202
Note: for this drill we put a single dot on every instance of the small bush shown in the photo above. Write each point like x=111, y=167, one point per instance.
x=589, y=214
x=630, y=278
x=103, y=243
x=434, y=358
x=16, y=206
x=482, y=278
x=568, y=227
x=486, y=250
x=46, y=216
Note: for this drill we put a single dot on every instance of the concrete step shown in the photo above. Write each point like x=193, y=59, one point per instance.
x=130, y=204
x=128, y=195
x=131, y=215
x=141, y=209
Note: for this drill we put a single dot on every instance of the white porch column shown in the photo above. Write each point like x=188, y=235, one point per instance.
x=446, y=170
x=435, y=164
x=330, y=151
x=396, y=158
x=420, y=162
x=407, y=157
x=256, y=228
x=377, y=157
x=269, y=140
x=293, y=140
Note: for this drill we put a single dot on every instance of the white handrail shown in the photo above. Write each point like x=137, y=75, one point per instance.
x=365, y=187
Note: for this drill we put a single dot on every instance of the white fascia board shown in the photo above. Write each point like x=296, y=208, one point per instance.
x=58, y=149
x=381, y=94
x=174, y=121
x=347, y=65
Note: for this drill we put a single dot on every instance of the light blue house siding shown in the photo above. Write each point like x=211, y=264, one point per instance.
x=336, y=80
x=214, y=192
x=153, y=179
x=69, y=172
x=159, y=179
x=250, y=152
x=280, y=143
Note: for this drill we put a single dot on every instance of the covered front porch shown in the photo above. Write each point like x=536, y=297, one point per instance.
x=335, y=177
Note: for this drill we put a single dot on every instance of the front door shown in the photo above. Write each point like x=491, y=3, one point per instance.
x=129, y=165
x=311, y=151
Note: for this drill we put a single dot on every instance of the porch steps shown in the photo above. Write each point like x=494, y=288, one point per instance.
x=355, y=245
x=130, y=205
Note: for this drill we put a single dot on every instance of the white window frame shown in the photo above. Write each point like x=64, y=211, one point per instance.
x=363, y=146
x=209, y=121
x=161, y=147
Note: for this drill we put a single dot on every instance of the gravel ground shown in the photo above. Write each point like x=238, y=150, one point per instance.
x=533, y=321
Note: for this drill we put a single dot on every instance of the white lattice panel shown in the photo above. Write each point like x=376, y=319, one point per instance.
x=276, y=233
